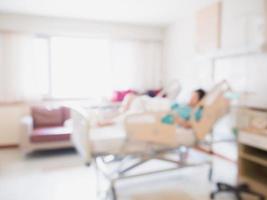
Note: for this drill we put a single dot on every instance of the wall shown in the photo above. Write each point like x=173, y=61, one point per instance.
x=242, y=28
x=77, y=27
x=10, y=116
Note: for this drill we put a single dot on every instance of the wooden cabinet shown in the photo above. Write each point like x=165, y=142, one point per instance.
x=252, y=162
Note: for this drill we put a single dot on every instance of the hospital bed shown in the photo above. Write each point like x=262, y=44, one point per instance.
x=115, y=151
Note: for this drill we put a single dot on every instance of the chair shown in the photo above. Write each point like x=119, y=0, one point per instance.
x=45, y=129
x=144, y=137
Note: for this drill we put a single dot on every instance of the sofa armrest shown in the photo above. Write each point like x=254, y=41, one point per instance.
x=26, y=130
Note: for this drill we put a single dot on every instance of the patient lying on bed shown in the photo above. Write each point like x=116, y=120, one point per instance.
x=180, y=114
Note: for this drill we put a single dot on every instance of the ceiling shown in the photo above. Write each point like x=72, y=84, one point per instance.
x=145, y=12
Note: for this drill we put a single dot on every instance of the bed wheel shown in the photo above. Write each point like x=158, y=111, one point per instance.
x=212, y=196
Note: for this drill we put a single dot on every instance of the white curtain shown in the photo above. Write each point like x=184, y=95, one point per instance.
x=86, y=67
x=136, y=64
x=90, y=67
x=80, y=67
x=17, y=81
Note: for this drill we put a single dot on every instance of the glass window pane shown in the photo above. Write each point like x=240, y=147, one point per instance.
x=80, y=67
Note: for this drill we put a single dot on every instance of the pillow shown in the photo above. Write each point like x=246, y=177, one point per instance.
x=44, y=116
x=66, y=113
x=118, y=96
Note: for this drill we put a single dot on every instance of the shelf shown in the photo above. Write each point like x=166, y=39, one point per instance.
x=261, y=160
x=253, y=154
x=252, y=165
x=253, y=173
x=258, y=141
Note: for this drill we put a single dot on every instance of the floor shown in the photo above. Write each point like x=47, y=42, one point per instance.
x=61, y=175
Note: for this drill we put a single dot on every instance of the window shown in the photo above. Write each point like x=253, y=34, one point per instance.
x=136, y=64
x=40, y=71
x=80, y=67
x=75, y=67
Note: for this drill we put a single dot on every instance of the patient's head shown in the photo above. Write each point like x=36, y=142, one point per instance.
x=197, y=95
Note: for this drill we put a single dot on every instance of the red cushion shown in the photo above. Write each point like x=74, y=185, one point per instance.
x=118, y=96
x=45, y=116
x=51, y=134
x=66, y=113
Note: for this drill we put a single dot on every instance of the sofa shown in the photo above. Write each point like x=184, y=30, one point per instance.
x=46, y=128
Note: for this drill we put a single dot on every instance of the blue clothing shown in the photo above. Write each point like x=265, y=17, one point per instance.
x=183, y=111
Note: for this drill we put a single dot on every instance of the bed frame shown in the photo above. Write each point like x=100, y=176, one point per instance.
x=146, y=138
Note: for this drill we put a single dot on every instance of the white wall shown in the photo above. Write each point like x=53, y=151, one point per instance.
x=76, y=27
x=180, y=59
x=10, y=117
x=242, y=22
